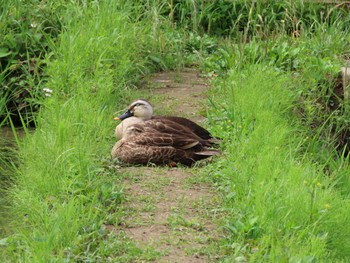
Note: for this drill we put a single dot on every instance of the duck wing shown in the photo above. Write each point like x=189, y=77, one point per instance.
x=163, y=133
x=155, y=138
x=170, y=127
x=191, y=125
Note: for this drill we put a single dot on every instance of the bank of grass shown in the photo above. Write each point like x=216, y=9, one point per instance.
x=285, y=183
x=64, y=189
x=282, y=206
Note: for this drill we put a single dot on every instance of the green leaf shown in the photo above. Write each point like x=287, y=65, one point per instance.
x=4, y=52
x=3, y=242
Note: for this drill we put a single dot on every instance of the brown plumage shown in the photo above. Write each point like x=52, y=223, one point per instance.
x=160, y=140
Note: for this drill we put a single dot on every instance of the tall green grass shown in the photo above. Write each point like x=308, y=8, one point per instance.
x=3, y=101
x=8, y=158
x=282, y=206
x=285, y=182
x=65, y=186
x=244, y=19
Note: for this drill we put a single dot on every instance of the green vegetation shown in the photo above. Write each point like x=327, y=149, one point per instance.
x=285, y=169
x=282, y=205
x=25, y=30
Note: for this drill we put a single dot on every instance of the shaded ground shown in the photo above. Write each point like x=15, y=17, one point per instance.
x=173, y=210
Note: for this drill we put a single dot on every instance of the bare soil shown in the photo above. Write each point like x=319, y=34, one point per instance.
x=172, y=210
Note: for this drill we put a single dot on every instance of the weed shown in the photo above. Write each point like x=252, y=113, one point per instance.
x=60, y=175
x=263, y=180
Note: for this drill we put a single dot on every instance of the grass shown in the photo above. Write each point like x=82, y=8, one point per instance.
x=7, y=167
x=282, y=205
x=285, y=186
x=64, y=173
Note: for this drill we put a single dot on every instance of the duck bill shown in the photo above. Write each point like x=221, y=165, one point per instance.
x=124, y=116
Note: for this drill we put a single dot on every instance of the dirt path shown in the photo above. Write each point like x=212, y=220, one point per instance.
x=172, y=210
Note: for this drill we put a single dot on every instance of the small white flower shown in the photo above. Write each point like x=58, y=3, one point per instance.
x=48, y=92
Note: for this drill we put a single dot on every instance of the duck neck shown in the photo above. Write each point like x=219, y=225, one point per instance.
x=146, y=116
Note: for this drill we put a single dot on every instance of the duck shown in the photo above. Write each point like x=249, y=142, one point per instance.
x=161, y=140
x=143, y=110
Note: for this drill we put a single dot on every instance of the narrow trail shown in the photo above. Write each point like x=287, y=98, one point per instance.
x=172, y=210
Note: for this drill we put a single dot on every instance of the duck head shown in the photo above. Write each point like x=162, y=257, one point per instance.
x=141, y=109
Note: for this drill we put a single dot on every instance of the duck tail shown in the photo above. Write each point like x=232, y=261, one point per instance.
x=214, y=140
